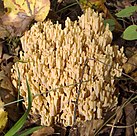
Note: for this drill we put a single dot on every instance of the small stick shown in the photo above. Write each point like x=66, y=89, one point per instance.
x=78, y=94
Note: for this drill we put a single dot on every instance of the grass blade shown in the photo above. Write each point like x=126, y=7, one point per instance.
x=22, y=120
x=28, y=131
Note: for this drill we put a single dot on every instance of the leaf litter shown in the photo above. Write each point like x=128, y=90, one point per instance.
x=20, y=14
x=13, y=24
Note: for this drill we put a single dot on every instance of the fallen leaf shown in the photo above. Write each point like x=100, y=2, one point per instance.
x=20, y=14
x=3, y=116
x=45, y=131
x=36, y=9
x=5, y=81
x=15, y=24
x=41, y=9
x=127, y=12
x=59, y=130
x=130, y=51
x=6, y=64
x=130, y=33
x=7, y=91
x=130, y=114
x=131, y=64
x=8, y=96
x=119, y=114
x=87, y=128
x=134, y=75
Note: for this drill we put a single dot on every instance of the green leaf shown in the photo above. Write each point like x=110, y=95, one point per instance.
x=111, y=23
x=28, y=131
x=127, y=12
x=130, y=33
x=22, y=120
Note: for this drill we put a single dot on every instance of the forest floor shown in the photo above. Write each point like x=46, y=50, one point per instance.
x=123, y=120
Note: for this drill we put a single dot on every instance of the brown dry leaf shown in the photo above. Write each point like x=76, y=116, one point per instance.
x=130, y=51
x=14, y=25
x=131, y=64
x=130, y=114
x=8, y=96
x=7, y=92
x=87, y=128
x=6, y=64
x=45, y=131
x=59, y=130
x=134, y=75
x=5, y=81
x=20, y=14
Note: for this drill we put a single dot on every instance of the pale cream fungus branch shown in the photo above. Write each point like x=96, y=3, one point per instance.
x=55, y=58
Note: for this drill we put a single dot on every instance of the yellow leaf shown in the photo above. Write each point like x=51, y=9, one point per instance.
x=21, y=13
x=41, y=10
x=34, y=8
x=3, y=116
x=90, y=3
x=131, y=64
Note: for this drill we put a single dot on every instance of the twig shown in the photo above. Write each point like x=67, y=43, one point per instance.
x=78, y=94
x=126, y=90
x=7, y=104
x=110, y=125
x=44, y=93
x=115, y=121
x=121, y=107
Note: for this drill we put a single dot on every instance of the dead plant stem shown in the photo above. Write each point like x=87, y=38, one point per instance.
x=78, y=94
